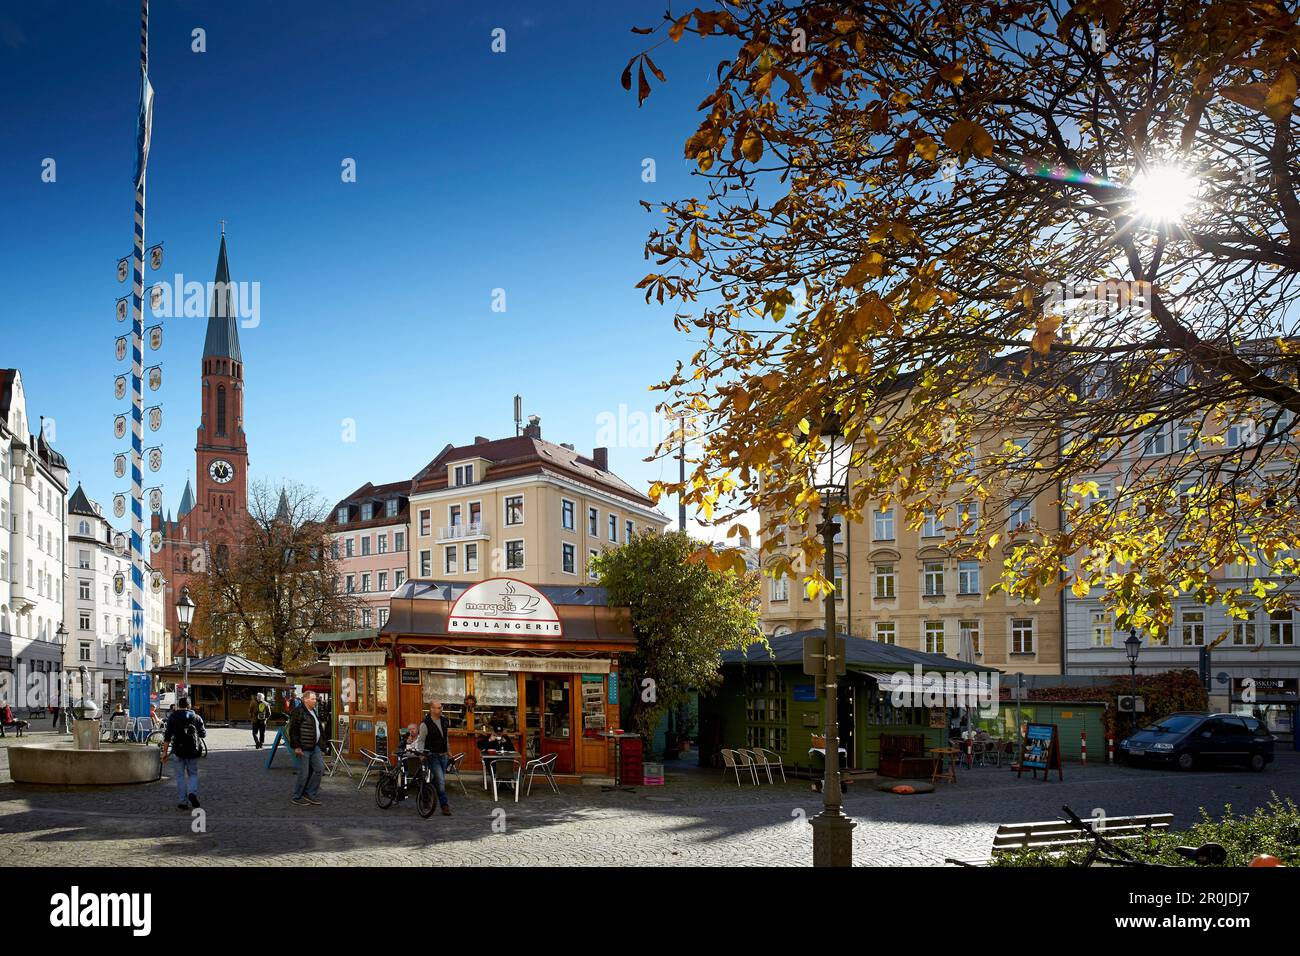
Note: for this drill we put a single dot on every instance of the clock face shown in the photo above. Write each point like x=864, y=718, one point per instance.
x=221, y=471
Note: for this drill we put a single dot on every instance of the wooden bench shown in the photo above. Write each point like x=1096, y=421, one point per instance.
x=1057, y=836
x=903, y=756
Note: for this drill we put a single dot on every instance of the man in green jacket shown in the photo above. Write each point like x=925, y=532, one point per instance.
x=259, y=712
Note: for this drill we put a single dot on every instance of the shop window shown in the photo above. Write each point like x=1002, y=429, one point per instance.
x=448, y=688
x=769, y=738
x=496, y=700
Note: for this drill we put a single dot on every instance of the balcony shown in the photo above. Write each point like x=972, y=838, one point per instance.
x=463, y=532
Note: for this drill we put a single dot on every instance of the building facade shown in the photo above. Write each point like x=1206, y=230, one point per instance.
x=33, y=551
x=519, y=507
x=903, y=585
x=1253, y=665
x=212, y=512
x=369, y=532
x=97, y=605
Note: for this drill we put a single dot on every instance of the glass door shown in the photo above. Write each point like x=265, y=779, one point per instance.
x=557, y=722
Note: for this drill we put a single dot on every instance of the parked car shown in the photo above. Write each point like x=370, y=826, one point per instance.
x=1188, y=740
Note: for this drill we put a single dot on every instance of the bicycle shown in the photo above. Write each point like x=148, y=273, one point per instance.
x=396, y=781
x=1208, y=854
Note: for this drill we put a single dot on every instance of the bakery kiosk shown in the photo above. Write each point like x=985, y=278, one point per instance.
x=540, y=662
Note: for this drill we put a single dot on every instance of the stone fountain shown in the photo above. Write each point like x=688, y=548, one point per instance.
x=84, y=760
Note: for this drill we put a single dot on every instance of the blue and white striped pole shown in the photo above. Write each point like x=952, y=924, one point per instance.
x=138, y=683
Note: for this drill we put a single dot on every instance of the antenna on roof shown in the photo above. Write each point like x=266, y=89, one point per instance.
x=519, y=414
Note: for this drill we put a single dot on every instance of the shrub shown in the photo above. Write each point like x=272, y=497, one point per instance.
x=1273, y=829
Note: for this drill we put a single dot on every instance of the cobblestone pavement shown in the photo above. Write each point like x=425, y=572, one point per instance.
x=696, y=819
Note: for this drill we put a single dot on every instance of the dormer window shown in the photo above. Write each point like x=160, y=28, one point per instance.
x=390, y=508
x=343, y=515
x=464, y=475
x=367, y=511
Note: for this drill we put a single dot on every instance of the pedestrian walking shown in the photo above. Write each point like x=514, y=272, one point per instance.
x=307, y=738
x=433, y=741
x=259, y=712
x=181, y=737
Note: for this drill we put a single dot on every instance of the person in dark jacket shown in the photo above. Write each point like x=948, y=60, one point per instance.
x=184, y=728
x=307, y=737
x=433, y=740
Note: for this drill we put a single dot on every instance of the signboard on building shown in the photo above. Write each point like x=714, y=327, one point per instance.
x=504, y=606
x=487, y=662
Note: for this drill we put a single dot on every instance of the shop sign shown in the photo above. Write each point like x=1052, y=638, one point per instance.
x=504, y=606
x=1277, y=686
x=486, y=662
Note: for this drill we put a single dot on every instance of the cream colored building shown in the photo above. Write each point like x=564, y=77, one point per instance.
x=520, y=507
x=900, y=585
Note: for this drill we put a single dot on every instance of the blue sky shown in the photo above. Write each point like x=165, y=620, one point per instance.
x=476, y=171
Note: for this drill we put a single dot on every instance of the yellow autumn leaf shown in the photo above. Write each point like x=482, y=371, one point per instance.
x=752, y=146
x=1046, y=334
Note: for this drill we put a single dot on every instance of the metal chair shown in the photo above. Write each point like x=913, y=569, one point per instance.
x=517, y=768
x=338, y=748
x=453, y=770
x=375, y=763
x=733, y=760
x=546, y=767
x=768, y=759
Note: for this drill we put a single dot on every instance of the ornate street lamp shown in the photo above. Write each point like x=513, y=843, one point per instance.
x=1133, y=647
x=62, y=635
x=832, y=829
x=184, y=615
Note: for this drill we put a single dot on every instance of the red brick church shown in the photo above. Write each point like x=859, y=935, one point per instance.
x=213, y=510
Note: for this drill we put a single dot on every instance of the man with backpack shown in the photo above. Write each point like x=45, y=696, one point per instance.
x=307, y=737
x=181, y=736
x=259, y=712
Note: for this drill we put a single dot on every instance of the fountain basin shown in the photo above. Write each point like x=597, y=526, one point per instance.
x=61, y=764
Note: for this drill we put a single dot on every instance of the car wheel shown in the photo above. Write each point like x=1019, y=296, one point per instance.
x=1185, y=760
x=1257, y=762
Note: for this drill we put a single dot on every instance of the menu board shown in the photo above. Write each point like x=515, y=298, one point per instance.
x=1041, y=750
x=593, y=704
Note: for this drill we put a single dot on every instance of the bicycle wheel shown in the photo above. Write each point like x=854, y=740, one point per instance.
x=203, y=747
x=386, y=791
x=426, y=799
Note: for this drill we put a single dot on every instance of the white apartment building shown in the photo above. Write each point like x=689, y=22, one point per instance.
x=33, y=485
x=98, y=604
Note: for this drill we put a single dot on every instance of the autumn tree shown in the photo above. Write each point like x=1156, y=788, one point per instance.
x=684, y=615
x=265, y=592
x=941, y=221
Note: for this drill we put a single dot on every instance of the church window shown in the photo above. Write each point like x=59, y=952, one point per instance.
x=221, y=410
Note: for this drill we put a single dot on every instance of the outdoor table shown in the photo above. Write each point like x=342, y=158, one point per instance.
x=618, y=761
x=489, y=758
x=939, y=773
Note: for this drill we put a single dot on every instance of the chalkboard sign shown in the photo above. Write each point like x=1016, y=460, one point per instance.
x=410, y=675
x=1040, y=750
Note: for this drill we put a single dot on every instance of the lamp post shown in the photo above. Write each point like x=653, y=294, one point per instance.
x=1133, y=647
x=62, y=635
x=184, y=615
x=832, y=829
x=123, y=649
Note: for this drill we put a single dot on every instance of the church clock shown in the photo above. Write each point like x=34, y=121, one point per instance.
x=222, y=471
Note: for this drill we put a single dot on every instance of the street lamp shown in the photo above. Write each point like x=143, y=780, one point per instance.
x=62, y=635
x=832, y=829
x=1133, y=647
x=184, y=615
x=123, y=648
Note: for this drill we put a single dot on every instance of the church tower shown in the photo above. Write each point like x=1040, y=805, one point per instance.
x=213, y=513
x=221, y=463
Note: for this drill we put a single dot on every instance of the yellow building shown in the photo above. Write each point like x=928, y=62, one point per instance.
x=900, y=585
x=520, y=507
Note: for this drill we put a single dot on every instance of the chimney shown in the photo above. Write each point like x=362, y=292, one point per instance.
x=480, y=440
x=600, y=458
x=565, y=444
x=534, y=427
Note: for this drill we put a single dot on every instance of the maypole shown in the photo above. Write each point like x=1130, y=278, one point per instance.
x=138, y=682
